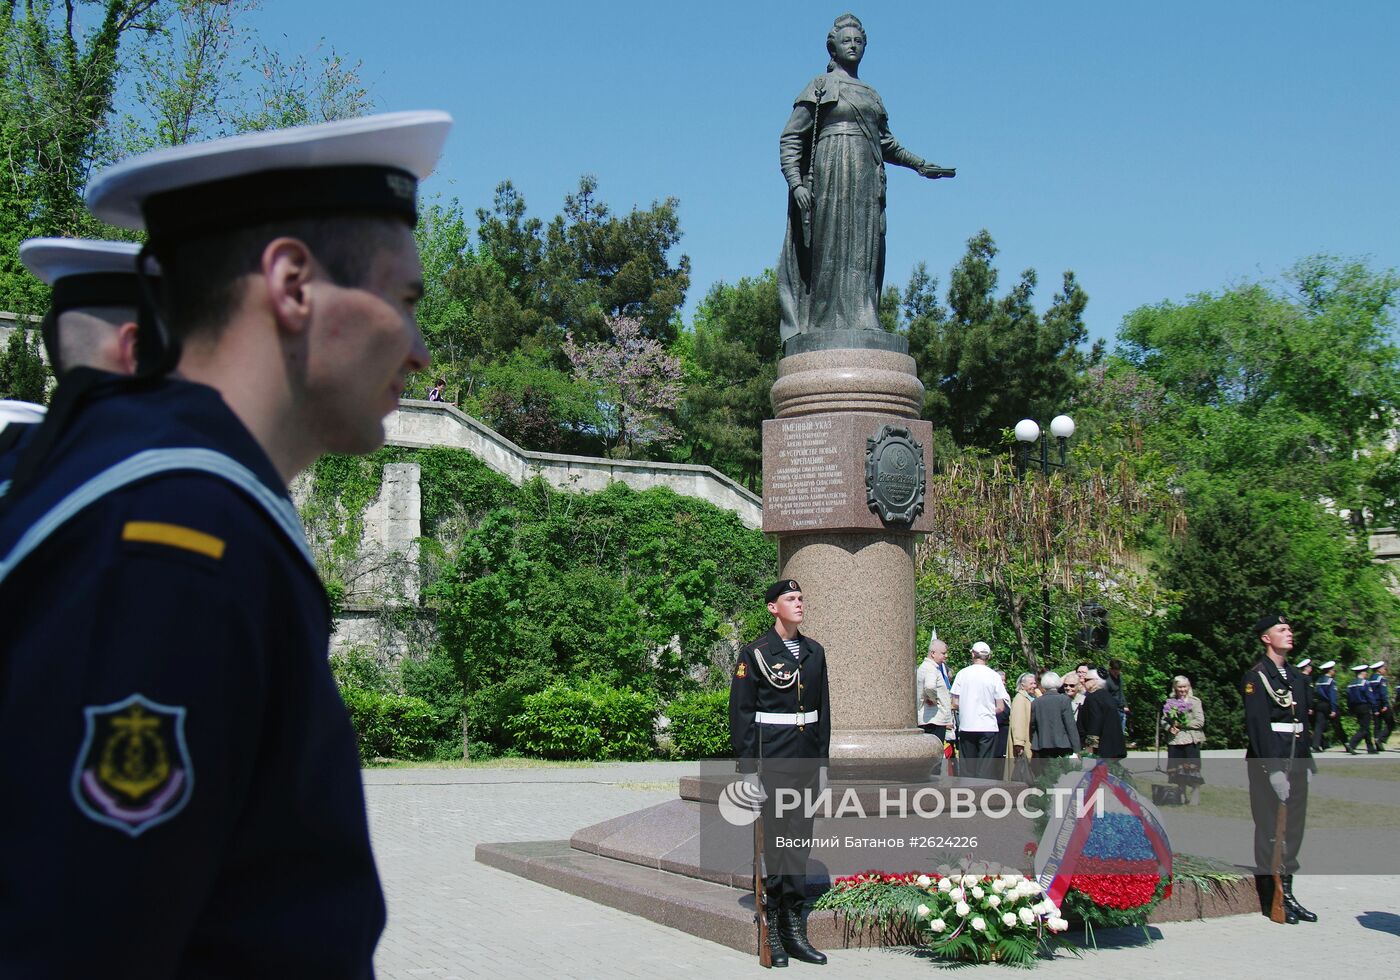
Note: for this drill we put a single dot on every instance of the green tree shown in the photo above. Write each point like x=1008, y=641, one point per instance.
x=58, y=79
x=987, y=362
x=643, y=590
x=444, y=248
x=1253, y=549
x=534, y=404
x=300, y=90
x=23, y=374
x=184, y=77
x=735, y=356
x=504, y=290
x=598, y=266
x=1295, y=385
x=1005, y=538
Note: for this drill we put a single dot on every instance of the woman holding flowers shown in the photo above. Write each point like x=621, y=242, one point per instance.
x=1185, y=722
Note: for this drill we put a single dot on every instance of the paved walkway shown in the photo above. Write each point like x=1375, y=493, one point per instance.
x=452, y=917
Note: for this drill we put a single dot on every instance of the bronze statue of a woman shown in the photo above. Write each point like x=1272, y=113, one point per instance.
x=833, y=153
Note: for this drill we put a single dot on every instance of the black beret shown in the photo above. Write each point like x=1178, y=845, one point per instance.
x=782, y=587
x=1266, y=622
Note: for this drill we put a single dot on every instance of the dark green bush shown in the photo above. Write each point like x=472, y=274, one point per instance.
x=356, y=668
x=491, y=709
x=700, y=725
x=393, y=726
x=587, y=720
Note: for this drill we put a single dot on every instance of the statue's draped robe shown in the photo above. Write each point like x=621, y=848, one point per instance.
x=833, y=263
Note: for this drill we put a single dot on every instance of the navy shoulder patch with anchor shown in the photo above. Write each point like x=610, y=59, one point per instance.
x=133, y=770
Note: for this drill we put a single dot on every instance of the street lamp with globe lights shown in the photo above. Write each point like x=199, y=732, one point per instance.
x=1027, y=432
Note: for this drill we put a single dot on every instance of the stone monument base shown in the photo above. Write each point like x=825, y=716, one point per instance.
x=646, y=863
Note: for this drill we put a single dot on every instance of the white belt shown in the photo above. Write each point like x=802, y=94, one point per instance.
x=778, y=718
x=1288, y=727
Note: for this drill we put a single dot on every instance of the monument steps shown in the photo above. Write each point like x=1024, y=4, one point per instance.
x=649, y=863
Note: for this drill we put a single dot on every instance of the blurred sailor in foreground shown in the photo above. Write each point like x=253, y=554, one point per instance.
x=193, y=805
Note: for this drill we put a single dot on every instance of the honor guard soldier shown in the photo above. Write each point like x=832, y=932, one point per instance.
x=1380, y=704
x=1325, y=705
x=92, y=316
x=1279, y=760
x=1360, y=703
x=780, y=729
x=188, y=801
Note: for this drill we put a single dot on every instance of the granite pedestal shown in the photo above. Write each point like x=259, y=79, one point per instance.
x=855, y=566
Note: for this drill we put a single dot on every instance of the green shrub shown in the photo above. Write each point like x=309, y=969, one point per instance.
x=393, y=726
x=491, y=709
x=700, y=725
x=588, y=720
x=356, y=668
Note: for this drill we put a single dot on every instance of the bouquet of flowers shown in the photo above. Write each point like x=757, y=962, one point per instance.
x=968, y=913
x=1176, y=713
x=987, y=918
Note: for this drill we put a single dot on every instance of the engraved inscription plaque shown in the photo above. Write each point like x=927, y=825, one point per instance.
x=807, y=483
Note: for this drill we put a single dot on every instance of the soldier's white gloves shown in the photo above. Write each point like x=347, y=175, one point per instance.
x=1279, y=781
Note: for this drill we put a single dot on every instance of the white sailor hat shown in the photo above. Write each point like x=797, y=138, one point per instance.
x=1360, y=667
x=53, y=260
x=1304, y=662
x=83, y=273
x=17, y=411
x=371, y=164
x=1378, y=665
x=1327, y=666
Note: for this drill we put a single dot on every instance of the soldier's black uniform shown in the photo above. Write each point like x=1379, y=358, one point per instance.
x=187, y=800
x=1279, y=742
x=780, y=728
x=785, y=752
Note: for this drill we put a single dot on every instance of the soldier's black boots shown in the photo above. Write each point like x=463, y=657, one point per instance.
x=793, y=929
x=1265, y=886
x=1291, y=904
x=775, y=942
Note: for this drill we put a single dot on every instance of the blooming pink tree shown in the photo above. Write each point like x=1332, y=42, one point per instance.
x=636, y=382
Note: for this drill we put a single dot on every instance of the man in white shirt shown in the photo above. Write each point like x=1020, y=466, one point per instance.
x=977, y=691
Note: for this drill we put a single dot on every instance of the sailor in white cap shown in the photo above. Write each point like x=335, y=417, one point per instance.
x=165, y=625
x=1361, y=705
x=94, y=307
x=92, y=316
x=1380, y=704
x=1325, y=707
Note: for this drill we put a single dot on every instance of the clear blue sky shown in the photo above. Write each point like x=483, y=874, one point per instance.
x=1156, y=149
